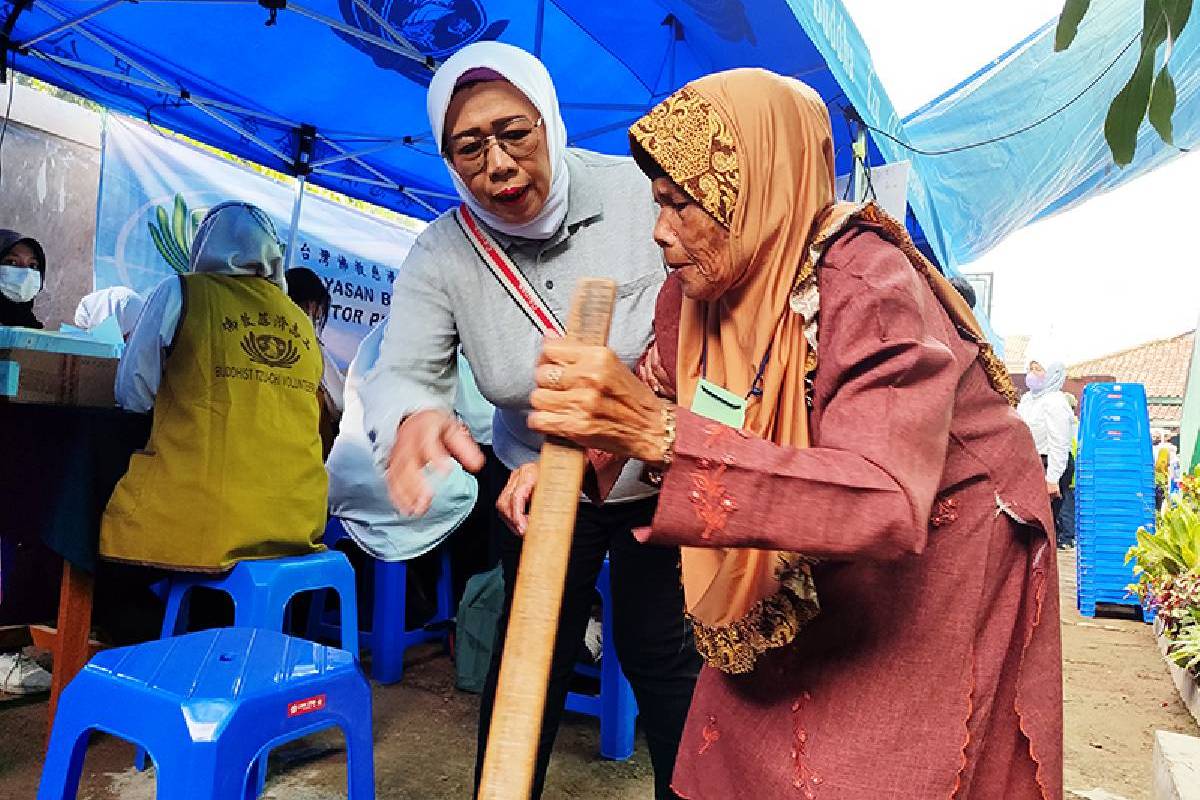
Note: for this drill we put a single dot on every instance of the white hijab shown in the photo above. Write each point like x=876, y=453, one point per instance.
x=238, y=239
x=528, y=74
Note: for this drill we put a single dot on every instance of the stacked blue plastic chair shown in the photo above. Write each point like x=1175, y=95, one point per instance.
x=1114, y=492
x=388, y=637
x=209, y=707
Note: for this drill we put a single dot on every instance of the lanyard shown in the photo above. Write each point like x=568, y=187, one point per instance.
x=756, y=384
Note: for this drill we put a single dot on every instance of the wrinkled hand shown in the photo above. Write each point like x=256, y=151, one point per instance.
x=513, y=503
x=585, y=394
x=1053, y=490
x=650, y=371
x=427, y=438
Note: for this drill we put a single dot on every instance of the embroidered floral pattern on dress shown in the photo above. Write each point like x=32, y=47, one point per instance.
x=710, y=733
x=712, y=502
x=804, y=779
x=945, y=511
x=692, y=143
x=773, y=621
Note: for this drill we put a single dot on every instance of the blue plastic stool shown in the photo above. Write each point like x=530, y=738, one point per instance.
x=208, y=706
x=615, y=705
x=388, y=638
x=262, y=589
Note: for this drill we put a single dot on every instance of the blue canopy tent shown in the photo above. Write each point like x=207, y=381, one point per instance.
x=334, y=90
x=1023, y=138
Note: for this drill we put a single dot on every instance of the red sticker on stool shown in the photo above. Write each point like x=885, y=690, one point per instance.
x=306, y=706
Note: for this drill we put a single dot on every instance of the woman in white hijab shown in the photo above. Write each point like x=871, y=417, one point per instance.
x=495, y=276
x=235, y=239
x=231, y=367
x=1046, y=411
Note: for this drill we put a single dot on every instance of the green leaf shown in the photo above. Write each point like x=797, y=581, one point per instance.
x=1127, y=111
x=166, y=243
x=164, y=224
x=164, y=249
x=1178, y=12
x=1068, y=23
x=1155, y=26
x=178, y=220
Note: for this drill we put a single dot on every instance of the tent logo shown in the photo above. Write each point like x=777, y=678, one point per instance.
x=270, y=351
x=435, y=27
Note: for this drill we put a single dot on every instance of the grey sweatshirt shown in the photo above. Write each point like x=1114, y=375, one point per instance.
x=445, y=295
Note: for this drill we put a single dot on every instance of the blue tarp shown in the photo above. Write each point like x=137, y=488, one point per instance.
x=969, y=200
x=356, y=70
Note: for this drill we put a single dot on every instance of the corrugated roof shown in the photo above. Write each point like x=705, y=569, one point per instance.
x=1161, y=366
x=1165, y=415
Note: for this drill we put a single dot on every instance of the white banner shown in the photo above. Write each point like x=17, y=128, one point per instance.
x=154, y=191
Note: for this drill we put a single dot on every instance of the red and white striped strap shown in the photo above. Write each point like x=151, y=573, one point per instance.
x=508, y=274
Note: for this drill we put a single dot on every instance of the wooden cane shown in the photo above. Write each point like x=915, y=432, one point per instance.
x=512, y=745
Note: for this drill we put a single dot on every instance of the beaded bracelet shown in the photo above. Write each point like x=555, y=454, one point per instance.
x=653, y=476
x=668, y=418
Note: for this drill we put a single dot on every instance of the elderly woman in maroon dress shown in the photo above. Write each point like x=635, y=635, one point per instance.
x=864, y=521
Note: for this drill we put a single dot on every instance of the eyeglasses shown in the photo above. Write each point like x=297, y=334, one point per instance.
x=517, y=137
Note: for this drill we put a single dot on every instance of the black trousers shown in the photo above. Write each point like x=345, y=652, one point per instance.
x=652, y=637
x=1064, y=512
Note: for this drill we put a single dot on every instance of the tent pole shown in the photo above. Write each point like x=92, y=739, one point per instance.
x=295, y=226
x=306, y=142
x=859, y=186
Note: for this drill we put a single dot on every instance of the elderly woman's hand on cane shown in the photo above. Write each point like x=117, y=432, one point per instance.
x=585, y=394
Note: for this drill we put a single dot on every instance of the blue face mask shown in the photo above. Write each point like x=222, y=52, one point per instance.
x=1035, y=382
x=19, y=284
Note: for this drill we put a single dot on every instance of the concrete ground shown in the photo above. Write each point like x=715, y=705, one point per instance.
x=1117, y=693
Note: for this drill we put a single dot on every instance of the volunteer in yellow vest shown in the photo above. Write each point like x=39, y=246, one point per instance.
x=230, y=367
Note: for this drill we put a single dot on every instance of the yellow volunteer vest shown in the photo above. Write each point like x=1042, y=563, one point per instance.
x=233, y=467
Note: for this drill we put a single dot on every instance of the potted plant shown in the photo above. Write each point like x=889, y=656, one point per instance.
x=1167, y=568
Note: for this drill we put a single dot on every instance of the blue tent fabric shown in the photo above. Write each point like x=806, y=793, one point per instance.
x=971, y=199
x=236, y=75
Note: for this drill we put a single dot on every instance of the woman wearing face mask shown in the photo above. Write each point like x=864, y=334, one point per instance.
x=22, y=276
x=1048, y=414
x=496, y=276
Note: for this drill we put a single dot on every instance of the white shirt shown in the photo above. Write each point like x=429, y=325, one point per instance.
x=140, y=370
x=333, y=381
x=1049, y=418
x=357, y=491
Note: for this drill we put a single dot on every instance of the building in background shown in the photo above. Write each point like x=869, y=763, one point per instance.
x=1161, y=366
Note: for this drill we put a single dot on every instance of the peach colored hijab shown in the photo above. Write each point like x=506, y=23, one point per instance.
x=755, y=150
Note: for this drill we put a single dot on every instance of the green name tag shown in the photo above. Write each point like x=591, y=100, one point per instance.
x=720, y=405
